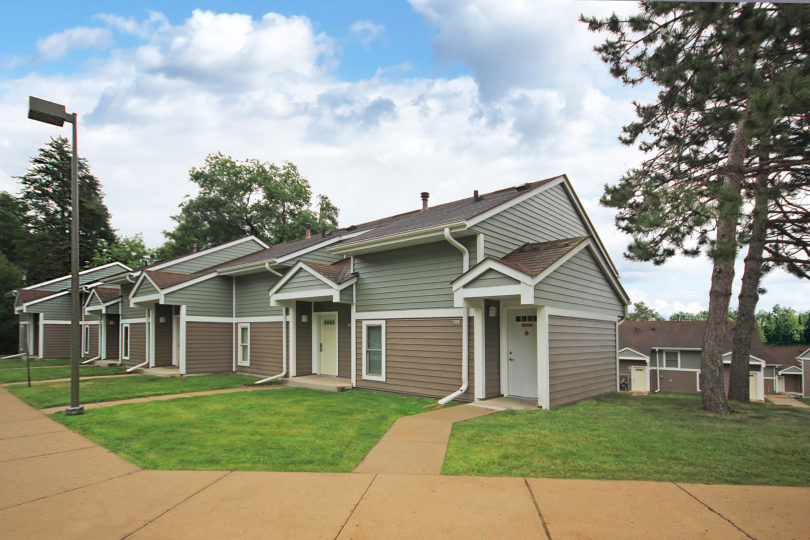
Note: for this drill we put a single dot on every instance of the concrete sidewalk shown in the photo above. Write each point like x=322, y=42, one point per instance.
x=55, y=483
x=417, y=444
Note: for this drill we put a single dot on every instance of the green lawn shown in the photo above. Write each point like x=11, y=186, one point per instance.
x=286, y=429
x=805, y=400
x=664, y=437
x=16, y=363
x=42, y=374
x=91, y=391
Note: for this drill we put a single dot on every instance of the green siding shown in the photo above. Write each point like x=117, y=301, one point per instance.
x=319, y=256
x=207, y=260
x=346, y=295
x=94, y=301
x=491, y=278
x=302, y=281
x=416, y=277
x=128, y=312
x=580, y=285
x=690, y=359
x=114, y=309
x=210, y=298
x=252, y=298
x=145, y=288
x=55, y=309
x=549, y=215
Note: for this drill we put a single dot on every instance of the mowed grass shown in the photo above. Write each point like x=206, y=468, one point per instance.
x=45, y=373
x=284, y=429
x=16, y=363
x=665, y=437
x=805, y=400
x=94, y=390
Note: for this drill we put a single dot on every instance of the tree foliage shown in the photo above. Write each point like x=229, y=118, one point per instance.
x=129, y=250
x=47, y=202
x=643, y=312
x=783, y=326
x=732, y=82
x=249, y=197
x=10, y=278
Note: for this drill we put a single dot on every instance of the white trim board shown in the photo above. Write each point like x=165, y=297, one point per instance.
x=443, y=313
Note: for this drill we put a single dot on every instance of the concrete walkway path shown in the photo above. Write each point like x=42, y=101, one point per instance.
x=164, y=397
x=789, y=401
x=57, y=484
x=417, y=444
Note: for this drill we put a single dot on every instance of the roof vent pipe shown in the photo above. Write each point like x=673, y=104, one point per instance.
x=476, y=198
x=425, y=196
x=308, y=227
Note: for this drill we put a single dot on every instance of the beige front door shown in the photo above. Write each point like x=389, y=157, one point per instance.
x=639, y=379
x=752, y=386
x=327, y=336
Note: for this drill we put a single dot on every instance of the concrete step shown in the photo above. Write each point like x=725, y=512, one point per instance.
x=172, y=371
x=320, y=382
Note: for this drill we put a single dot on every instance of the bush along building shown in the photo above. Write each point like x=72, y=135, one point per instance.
x=509, y=293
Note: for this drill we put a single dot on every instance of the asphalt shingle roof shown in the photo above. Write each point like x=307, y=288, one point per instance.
x=337, y=272
x=28, y=295
x=533, y=259
x=642, y=336
x=784, y=355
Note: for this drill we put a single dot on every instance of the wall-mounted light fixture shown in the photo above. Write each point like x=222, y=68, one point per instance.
x=493, y=311
x=161, y=320
x=304, y=318
x=111, y=322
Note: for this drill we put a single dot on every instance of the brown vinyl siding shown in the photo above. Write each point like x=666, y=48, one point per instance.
x=681, y=382
x=93, y=342
x=770, y=386
x=422, y=357
x=303, y=339
x=793, y=383
x=112, y=337
x=137, y=344
x=56, y=338
x=492, y=350
x=582, y=359
x=266, y=350
x=209, y=347
x=163, y=335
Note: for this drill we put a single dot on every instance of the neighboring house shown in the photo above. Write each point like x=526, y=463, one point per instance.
x=785, y=369
x=665, y=356
x=44, y=310
x=507, y=293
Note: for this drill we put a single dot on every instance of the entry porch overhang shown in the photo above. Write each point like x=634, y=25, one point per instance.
x=516, y=275
x=314, y=282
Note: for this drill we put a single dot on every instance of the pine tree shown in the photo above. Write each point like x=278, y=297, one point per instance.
x=46, y=196
x=715, y=113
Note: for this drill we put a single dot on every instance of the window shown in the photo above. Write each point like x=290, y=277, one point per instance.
x=685, y=360
x=86, y=339
x=125, y=341
x=374, y=350
x=243, y=353
x=671, y=359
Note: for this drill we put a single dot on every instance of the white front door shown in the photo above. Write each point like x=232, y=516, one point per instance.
x=522, y=352
x=327, y=347
x=639, y=378
x=752, y=386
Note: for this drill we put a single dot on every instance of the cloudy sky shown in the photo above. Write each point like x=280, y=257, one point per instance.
x=374, y=101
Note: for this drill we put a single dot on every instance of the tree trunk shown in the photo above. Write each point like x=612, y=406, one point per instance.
x=725, y=251
x=749, y=294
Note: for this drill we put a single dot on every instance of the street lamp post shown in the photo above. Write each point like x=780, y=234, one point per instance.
x=55, y=114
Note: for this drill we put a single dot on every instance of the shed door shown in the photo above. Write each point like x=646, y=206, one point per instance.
x=522, y=353
x=328, y=344
x=752, y=386
x=639, y=382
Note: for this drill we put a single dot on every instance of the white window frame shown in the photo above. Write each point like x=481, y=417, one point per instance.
x=365, y=374
x=125, y=341
x=240, y=360
x=86, y=339
x=677, y=359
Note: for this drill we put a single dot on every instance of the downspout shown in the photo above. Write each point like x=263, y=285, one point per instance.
x=283, y=350
x=274, y=272
x=139, y=366
x=465, y=330
x=91, y=359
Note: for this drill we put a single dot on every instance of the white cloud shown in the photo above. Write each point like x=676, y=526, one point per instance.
x=266, y=88
x=58, y=45
x=366, y=31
